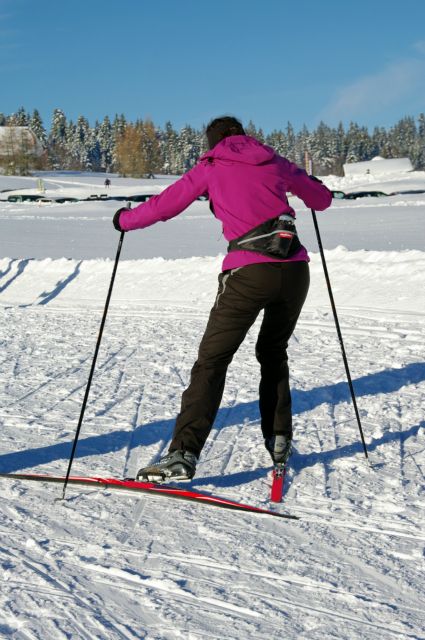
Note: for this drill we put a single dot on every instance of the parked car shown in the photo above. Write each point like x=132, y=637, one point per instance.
x=98, y=196
x=409, y=192
x=365, y=194
x=24, y=198
x=339, y=195
x=144, y=197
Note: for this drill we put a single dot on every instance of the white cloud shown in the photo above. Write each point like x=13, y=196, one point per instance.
x=420, y=46
x=376, y=92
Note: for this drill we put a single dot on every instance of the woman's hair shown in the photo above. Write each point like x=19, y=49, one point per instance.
x=220, y=128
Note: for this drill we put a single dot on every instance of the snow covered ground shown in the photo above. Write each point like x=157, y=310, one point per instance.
x=107, y=566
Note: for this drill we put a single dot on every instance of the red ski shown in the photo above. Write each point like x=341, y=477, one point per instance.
x=278, y=481
x=148, y=487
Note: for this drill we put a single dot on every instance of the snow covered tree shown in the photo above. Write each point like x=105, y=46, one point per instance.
x=81, y=142
x=302, y=145
x=278, y=141
x=169, y=150
x=339, y=143
x=118, y=128
x=251, y=130
x=325, y=151
x=36, y=125
x=420, y=143
x=57, y=140
x=403, y=137
x=188, y=148
x=202, y=141
x=70, y=161
x=359, y=144
x=94, y=154
x=291, y=142
x=58, y=128
x=105, y=138
x=380, y=142
x=119, y=125
x=150, y=147
x=19, y=119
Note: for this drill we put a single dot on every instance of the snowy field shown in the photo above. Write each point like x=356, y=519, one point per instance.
x=106, y=566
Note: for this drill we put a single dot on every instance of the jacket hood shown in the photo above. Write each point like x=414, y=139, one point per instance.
x=243, y=149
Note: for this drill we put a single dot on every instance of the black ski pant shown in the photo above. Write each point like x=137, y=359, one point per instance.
x=280, y=290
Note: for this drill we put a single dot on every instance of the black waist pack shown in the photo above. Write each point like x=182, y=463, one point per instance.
x=275, y=238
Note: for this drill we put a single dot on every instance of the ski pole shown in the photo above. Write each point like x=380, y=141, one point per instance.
x=338, y=330
x=96, y=351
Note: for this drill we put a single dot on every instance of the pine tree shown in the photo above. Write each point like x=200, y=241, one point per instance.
x=380, y=143
x=118, y=128
x=420, y=143
x=71, y=161
x=202, y=141
x=277, y=140
x=37, y=127
x=403, y=137
x=260, y=136
x=119, y=125
x=169, y=151
x=251, y=130
x=57, y=141
x=302, y=145
x=359, y=144
x=188, y=147
x=150, y=147
x=19, y=119
x=82, y=143
x=94, y=155
x=291, y=142
x=323, y=149
x=105, y=139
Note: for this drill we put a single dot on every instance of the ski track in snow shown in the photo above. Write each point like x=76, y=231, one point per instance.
x=101, y=565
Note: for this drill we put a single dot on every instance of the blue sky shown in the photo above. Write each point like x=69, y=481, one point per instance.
x=271, y=61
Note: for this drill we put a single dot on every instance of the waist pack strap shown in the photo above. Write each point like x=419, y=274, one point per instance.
x=276, y=238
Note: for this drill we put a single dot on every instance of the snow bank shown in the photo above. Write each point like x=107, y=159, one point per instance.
x=359, y=279
x=388, y=183
x=379, y=166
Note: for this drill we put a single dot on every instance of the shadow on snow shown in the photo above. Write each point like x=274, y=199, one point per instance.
x=22, y=265
x=386, y=381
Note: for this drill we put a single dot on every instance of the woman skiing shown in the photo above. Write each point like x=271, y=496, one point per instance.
x=266, y=268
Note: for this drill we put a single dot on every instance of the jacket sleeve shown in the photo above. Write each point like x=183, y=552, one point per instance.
x=312, y=192
x=172, y=201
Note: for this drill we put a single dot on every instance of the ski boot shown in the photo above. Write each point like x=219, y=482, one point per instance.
x=176, y=465
x=279, y=447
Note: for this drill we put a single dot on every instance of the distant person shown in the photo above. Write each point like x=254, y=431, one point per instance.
x=107, y=183
x=266, y=269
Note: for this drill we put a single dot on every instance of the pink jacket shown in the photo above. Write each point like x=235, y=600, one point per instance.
x=247, y=183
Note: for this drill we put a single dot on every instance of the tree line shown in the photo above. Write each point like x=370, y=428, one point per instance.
x=139, y=149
